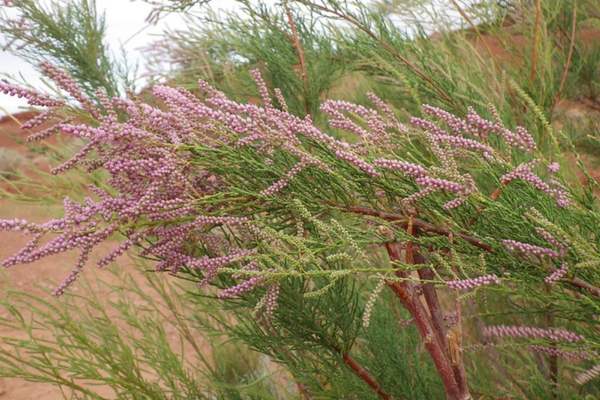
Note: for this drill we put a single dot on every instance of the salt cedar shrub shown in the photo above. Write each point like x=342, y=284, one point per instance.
x=283, y=220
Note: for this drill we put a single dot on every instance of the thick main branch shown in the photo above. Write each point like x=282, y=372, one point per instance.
x=405, y=292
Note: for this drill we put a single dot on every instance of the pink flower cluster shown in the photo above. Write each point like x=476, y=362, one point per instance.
x=525, y=173
x=410, y=169
x=389, y=117
x=457, y=125
x=454, y=141
x=557, y=275
x=262, y=88
x=38, y=119
x=427, y=183
x=68, y=281
x=479, y=126
x=428, y=126
x=68, y=84
x=228, y=220
x=151, y=181
x=445, y=145
x=337, y=109
x=281, y=100
x=377, y=124
x=466, y=284
x=519, y=331
x=270, y=301
x=358, y=162
x=439, y=184
x=19, y=225
x=553, y=167
x=529, y=249
x=569, y=355
x=284, y=181
x=548, y=237
x=33, y=98
x=241, y=288
x=475, y=125
x=538, y=251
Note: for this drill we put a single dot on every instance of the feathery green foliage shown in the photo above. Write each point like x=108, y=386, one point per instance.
x=130, y=336
x=71, y=34
x=290, y=48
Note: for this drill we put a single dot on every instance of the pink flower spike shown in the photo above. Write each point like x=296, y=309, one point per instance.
x=524, y=173
x=33, y=98
x=285, y=180
x=530, y=249
x=557, y=275
x=262, y=88
x=409, y=169
x=553, y=167
x=240, y=289
x=568, y=355
x=439, y=184
x=457, y=125
x=271, y=300
x=519, y=331
x=68, y=84
x=357, y=162
x=472, y=283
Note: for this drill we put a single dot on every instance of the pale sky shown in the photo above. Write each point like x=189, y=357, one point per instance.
x=124, y=20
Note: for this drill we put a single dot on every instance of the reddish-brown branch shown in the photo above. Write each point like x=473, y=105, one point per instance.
x=431, y=343
x=431, y=298
x=552, y=358
x=433, y=303
x=406, y=294
x=584, y=285
x=303, y=391
x=453, y=350
x=536, y=39
x=420, y=224
x=300, y=51
x=565, y=72
x=365, y=376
